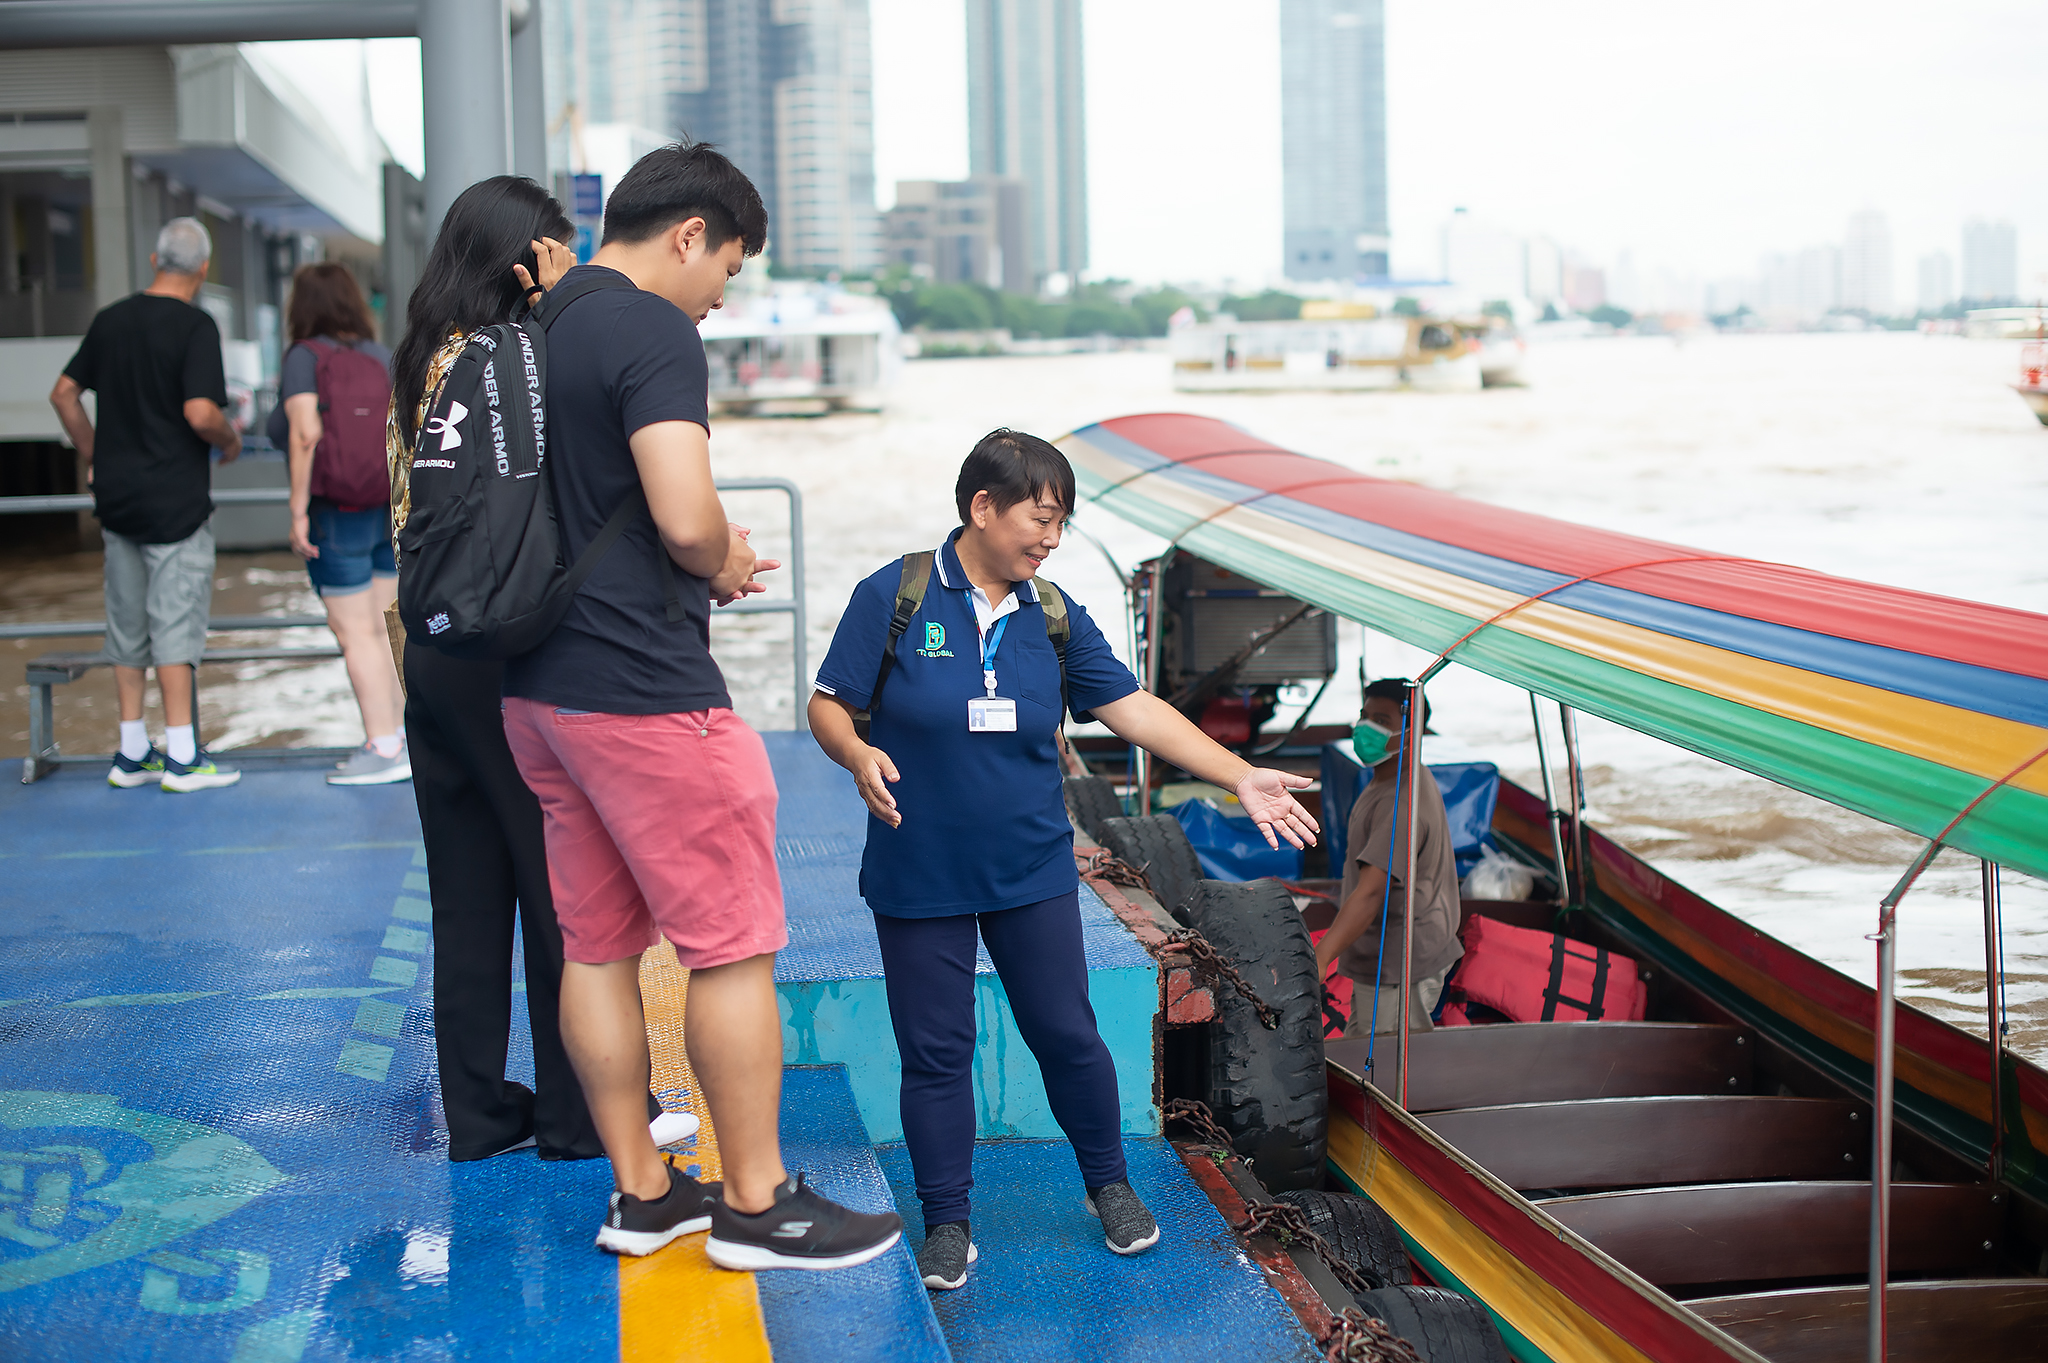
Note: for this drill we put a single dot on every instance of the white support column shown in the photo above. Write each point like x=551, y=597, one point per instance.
x=529, y=98
x=111, y=282
x=465, y=68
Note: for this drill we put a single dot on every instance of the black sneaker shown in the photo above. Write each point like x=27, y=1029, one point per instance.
x=635, y=1226
x=1127, y=1227
x=947, y=1252
x=802, y=1230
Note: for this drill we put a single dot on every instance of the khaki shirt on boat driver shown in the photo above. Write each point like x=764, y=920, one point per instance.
x=1374, y=840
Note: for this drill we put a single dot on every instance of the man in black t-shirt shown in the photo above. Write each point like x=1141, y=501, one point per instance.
x=154, y=360
x=657, y=801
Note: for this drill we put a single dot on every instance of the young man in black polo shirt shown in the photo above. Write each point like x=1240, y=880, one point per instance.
x=658, y=801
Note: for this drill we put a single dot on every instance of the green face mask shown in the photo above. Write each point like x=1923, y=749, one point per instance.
x=1374, y=744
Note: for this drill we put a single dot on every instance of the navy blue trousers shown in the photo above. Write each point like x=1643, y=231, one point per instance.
x=929, y=964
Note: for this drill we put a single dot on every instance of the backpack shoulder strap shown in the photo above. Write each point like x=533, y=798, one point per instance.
x=910, y=589
x=1058, y=630
x=557, y=300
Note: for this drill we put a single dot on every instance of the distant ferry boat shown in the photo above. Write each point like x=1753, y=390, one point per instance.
x=2033, y=384
x=1341, y=351
x=802, y=351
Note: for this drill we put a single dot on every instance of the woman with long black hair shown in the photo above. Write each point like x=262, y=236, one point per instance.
x=482, y=826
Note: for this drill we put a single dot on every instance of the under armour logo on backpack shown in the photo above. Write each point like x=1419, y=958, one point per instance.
x=790, y=1230
x=444, y=426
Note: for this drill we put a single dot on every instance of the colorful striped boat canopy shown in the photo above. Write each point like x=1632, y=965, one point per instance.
x=1918, y=710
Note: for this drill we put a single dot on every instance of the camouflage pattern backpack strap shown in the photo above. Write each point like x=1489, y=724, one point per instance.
x=1058, y=630
x=910, y=589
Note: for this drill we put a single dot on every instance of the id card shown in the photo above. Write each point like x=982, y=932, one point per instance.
x=991, y=715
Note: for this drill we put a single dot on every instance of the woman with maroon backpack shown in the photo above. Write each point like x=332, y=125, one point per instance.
x=335, y=391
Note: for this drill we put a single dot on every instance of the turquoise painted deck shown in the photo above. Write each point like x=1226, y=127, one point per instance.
x=220, y=1136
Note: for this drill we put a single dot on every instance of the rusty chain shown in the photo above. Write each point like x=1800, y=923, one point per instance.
x=1208, y=962
x=1210, y=965
x=1198, y=1116
x=1354, y=1337
x=1358, y=1338
x=1106, y=865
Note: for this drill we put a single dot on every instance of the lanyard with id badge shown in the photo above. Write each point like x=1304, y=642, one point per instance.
x=992, y=714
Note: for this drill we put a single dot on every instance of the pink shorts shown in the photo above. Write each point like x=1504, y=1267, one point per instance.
x=655, y=824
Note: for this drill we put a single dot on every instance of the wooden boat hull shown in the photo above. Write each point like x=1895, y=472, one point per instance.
x=1554, y=1293
x=2036, y=400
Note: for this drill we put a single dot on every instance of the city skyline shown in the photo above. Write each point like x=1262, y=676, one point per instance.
x=1333, y=138
x=1027, y=119
x=1738, y=149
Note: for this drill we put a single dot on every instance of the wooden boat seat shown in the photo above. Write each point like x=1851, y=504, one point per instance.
x=1755, y=1232
x=1994, y=1321
x=1548, y=1062
x=1637, y=1142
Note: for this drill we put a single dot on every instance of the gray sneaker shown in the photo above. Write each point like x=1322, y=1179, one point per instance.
x=947, y=1251
x=366, y=768
x=1127, y=1227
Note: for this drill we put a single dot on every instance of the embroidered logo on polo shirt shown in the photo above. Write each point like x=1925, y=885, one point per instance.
x=934, y=641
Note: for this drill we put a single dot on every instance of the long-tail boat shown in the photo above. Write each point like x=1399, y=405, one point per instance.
x=1726, y=1178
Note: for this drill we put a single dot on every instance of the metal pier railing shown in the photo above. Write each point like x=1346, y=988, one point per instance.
x=50, y=671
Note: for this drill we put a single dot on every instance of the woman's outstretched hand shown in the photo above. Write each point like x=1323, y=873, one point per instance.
x=872, y=772
x=1263, y=793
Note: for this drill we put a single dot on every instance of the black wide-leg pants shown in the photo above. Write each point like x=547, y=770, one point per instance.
x=486, y=860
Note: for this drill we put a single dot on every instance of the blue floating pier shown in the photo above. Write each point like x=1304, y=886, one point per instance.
x=220, y=1134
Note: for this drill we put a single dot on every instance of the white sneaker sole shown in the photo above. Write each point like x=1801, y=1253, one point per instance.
x=129, y=780
x=672, y=1127
x=637, y=1243
x=387, y=777
x=1136, y=1246
x=755, y=1258
x=179, y=785
x=933, y=1280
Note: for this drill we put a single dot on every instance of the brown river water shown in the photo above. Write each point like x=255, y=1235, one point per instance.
x=1888, y=457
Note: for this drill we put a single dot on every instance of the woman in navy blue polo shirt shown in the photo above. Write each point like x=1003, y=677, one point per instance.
x=968, y=831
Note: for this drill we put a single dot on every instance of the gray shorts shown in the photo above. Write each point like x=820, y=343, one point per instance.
x=158, y=597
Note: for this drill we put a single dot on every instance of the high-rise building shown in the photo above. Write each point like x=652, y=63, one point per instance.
x=1867, y=264
x=783, y=87
x=973, y=231
x=1333, y=137
x=1937, y=281
x=1991, y=262
x=1026, y=119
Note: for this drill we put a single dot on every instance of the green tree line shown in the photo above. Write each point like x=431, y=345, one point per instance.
x=1103, y=308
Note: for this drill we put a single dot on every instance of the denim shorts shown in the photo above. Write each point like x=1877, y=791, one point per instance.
x=354, y=546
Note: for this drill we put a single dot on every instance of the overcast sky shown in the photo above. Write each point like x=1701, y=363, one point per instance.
x=1694, y=136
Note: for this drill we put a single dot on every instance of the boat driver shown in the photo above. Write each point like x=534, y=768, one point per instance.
x=1376, y=854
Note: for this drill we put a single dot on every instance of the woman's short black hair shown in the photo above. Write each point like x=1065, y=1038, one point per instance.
x=1013, y=467
x=683, y=181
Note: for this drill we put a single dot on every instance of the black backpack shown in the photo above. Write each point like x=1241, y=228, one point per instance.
x=482, y=575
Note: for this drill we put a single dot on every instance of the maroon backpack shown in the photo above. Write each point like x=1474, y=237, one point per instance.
x=355, y=396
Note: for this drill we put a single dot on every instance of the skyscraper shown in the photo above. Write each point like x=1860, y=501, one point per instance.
x=784, y=87
x=1937, y=281
x=1026, y=118
x=1333, y=135
x=1867, y=264
x=1991, y=262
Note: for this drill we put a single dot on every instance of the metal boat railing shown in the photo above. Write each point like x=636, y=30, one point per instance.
x=44, y=758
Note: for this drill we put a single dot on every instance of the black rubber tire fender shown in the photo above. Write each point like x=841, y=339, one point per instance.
x=1266, y=1086
x=1158, y=846
x=1090, y=800
x=1443, y=1326
x=1363, y=1236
